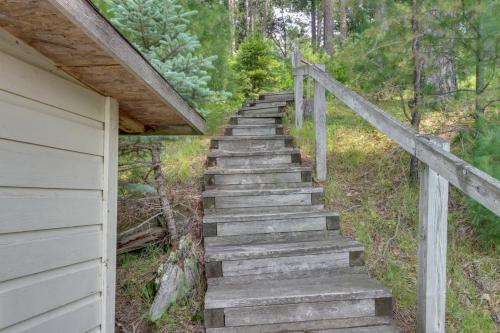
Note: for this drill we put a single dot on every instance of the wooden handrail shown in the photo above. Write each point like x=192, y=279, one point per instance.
x=440, y=168
x=475, y=183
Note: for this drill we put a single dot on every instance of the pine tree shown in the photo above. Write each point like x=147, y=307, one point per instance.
x=159, y=29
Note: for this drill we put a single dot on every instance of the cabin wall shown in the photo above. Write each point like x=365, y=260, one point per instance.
x=58, y=165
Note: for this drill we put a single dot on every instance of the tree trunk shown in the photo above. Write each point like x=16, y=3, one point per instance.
x=381, y=15
x=328, y=25
x=343, y=19
x=247, y=17
x=313, y=24
x=417, y=83
x=161, y=188
x=319, y=28
x=266, y=11
x=480, y=64
x=232, y=23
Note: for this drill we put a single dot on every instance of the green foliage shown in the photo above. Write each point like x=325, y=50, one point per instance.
x=484, y=153
x=159, y=29
x=257, y=66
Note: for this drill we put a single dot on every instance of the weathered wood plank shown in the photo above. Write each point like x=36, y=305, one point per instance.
x=320, y=129
x=470, y=180
x=433, y=222
x=298, y=312
x=263, y=227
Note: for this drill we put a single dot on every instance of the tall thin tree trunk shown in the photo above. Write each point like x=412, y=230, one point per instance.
x=328, y=23
x=266, y=11
x=343, y=19
x=381, y=15
x=231, y=4
x=480, y=64
x=161, y=188
x=247, y=17
x=319, y=29
x=417, y=83
x=313, y=24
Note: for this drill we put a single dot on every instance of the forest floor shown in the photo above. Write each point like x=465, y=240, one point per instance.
x=368, y=184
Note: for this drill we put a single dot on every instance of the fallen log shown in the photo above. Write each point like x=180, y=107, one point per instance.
x=139, y=239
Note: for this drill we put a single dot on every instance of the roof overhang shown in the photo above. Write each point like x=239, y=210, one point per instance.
x=82, y=43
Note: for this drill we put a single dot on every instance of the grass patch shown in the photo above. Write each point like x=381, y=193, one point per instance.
x=368, y=184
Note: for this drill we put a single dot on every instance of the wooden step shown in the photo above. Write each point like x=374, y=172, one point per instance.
x=227, y=178
x=274, y=118
x=343, y=325
x=285, y=157
x=277, y=97
x=264, y=210
x=220, y=200
x=263, y=104
x=322, y=295
x=226, y=259
x=252, y=130
x=274, y=238
x=256, y=142
x=229, y=225
x=250, y=111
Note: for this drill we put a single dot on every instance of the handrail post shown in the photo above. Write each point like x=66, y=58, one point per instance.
x=433, y=216
x=298, y=89
x=320, y=128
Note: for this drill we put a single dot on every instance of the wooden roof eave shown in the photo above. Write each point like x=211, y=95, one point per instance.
x=87, y=47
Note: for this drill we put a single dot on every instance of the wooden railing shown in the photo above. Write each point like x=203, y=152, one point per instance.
x=440, y=168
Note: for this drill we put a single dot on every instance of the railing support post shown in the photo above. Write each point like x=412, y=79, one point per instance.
x=433, y=216
x=298, y=89
x=320, y=128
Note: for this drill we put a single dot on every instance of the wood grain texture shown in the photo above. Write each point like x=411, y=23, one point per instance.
x=83, y=44
x=433, y=222
x=320, y=139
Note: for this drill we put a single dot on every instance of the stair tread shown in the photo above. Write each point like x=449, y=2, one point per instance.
x=249, y=153
x=260, y=115
x=267, y=216
x=217, y=251
x=274, y=191
x=265, y=210
x=315, y=326
x=265, y=169
x=274, y=238
x=252, y=137
x=323, y=287
x=365, y=329
x=255, y=126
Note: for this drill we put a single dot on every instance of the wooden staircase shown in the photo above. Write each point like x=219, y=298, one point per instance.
x=275, y=261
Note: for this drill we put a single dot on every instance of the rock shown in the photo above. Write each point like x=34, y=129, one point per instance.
x=177, y=277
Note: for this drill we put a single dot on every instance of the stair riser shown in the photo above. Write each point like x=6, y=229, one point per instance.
x=256, y=121
x=272, y=200
x=241, y=162
x=258, y=178
x=285, y=264
x=253, y=144
x=262, y=210
x=277, y=98
x=273, y=314
x=251, y=111
x=253, y=131
x=318, y=326
x=265, y=227
x=262, y=104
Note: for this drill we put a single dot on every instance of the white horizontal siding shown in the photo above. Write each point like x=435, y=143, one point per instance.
x=35, y=252
x=57, y=209
x=32, y=122
x=27, y=165
x=81, y=316
x=35, y=294
x=27, y=209
x=23, y=79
